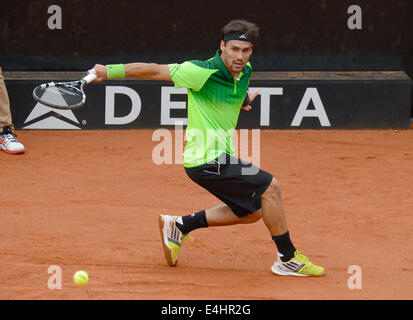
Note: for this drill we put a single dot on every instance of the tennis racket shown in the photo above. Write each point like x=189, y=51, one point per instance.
x=63, y=95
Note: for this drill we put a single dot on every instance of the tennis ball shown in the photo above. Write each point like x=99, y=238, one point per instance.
x=81, y=277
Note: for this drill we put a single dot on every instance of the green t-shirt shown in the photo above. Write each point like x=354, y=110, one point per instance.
x=215, y=98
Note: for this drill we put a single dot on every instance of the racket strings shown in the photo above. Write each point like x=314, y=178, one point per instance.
x=60, y=96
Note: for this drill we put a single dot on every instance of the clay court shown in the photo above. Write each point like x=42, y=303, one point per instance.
x=91, y=199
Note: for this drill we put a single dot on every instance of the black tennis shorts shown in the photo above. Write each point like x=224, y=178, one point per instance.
x=237, y=183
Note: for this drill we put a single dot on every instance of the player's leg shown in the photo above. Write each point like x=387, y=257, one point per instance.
x=289, y=261
x=272, y=213
x=174, y=229
x=241, y=197
x=275, y=220
x=247, y=198
x=222, y=215
x=273, y=210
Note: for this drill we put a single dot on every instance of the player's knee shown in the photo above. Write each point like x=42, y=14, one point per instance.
x=273, y=190
x=253, y=217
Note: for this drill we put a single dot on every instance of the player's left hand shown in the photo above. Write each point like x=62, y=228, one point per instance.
x=252, y=97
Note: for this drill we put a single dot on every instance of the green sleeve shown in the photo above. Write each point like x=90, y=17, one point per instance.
x=189, y=75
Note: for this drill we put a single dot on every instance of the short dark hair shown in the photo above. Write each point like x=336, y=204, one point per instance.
x=250, y=29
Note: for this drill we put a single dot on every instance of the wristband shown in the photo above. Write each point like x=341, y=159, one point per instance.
x=115, y=71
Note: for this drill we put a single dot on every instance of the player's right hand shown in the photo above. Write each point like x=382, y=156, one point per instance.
x=101, y=72
x=251, y=99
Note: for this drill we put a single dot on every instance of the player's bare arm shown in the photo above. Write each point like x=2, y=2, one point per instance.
x=139, y=70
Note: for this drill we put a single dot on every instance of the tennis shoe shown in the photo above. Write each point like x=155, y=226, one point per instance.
x=172, y=238
x=9, y=143
x=299, y=265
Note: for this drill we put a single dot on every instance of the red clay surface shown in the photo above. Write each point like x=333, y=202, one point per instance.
x=90, y=200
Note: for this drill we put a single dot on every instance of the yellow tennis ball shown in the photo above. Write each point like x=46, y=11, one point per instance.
x=81, y=278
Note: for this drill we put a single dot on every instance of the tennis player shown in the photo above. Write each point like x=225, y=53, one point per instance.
x=217, y=91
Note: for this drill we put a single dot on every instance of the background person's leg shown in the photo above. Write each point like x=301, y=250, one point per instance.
x=5, y=114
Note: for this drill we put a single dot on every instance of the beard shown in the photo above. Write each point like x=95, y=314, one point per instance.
x=237, y=66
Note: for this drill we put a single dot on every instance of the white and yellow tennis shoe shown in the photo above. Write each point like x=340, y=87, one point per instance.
x=172, y=238
x=299, y=265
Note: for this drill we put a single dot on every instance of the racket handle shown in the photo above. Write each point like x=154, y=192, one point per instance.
x=91, y=76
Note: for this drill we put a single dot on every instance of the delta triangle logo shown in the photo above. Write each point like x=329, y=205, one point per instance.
x=43, y=117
